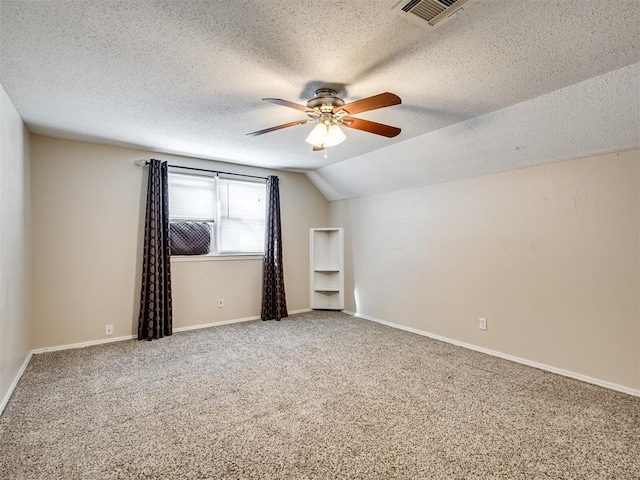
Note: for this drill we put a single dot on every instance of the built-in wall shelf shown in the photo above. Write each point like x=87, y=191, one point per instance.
x=327, y=268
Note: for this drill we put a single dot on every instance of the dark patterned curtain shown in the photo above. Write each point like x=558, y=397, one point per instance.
x=274, y=303
x=155, y=320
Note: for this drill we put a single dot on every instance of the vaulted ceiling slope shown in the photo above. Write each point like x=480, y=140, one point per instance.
x=187, y=77
x=595, y=116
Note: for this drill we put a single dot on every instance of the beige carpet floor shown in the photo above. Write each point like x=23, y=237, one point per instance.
x=317, y=396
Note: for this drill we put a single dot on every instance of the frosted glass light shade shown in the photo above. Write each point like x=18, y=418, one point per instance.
x=325, y=136
x=335, y=136
x=318, y=135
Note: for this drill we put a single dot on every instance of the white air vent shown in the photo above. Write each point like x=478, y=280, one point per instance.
x=428, y=13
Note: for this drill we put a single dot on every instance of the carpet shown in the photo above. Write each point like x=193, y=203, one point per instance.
x=320, y=395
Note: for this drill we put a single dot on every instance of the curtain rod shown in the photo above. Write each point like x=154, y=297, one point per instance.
x=146, y=162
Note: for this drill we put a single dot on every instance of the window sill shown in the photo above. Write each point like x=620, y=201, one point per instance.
x=212, y=258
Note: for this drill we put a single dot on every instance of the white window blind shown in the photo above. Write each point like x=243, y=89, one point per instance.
x=192, y=197
x=235, y=209
x=242, y=212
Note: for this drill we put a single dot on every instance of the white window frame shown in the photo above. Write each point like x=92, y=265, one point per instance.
x=216, y=234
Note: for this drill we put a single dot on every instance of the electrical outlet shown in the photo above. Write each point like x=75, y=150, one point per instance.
x=108, y=330
x=221, y=302
x=482, y=323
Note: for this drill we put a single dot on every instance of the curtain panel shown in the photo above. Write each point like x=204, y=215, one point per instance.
x=274, y=303
x=156, y=318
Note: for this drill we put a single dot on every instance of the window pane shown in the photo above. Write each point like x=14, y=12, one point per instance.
x=192, y=197
x=241, y=236
x=242, y=211
x=246, y=200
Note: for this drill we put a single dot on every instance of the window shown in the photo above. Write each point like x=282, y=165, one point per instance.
x=234, y=210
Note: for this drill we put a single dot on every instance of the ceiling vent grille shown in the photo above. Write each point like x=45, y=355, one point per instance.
x=428, y=13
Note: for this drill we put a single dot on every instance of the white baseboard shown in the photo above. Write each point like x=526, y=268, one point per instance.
x=215, y=324
x=70, y=346
x=229, y=322
x=5, y=400
x=495, y=353
x=130, y=337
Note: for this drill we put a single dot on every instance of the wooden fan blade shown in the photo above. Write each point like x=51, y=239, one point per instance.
x=287, y=103
x=370, y=103
x=317, y=149
x=371, y=127
x=278, y=127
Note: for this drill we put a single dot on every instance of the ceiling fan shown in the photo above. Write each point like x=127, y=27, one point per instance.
x=330, y=112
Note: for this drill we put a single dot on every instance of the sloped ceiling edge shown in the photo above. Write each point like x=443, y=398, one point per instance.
x=598, y=115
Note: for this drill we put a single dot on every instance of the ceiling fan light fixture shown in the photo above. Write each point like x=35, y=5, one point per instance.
x=324, y=136
x=318, y=135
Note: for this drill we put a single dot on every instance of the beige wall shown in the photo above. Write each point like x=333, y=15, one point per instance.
x=87, y=219
x=548, y=254
x=14, y=245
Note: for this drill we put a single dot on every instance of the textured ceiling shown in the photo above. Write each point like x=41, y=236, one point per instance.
x=187, y=77
x=598, y=115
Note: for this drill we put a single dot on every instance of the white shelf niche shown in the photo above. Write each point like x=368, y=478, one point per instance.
x=327, y=268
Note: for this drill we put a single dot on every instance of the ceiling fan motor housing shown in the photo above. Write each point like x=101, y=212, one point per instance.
x=325, y=100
